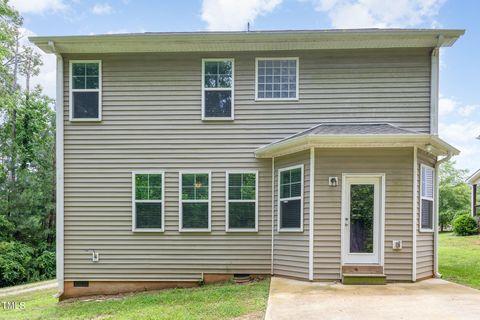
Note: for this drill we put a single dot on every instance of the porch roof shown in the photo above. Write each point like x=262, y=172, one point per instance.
x=355, y=135
x=474, y=178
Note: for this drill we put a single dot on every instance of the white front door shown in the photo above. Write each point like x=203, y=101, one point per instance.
x=362, y=206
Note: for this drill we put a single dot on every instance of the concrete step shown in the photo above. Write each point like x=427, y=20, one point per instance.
x=363, y=278
x=362, y=268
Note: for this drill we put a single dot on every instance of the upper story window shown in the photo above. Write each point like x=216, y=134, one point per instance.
x=147, y=201
x=217, y=89
x=242, y=201
x=85, y=90
x=290, y=200
x=426, y=198
x=276, y=79
x=195, y=201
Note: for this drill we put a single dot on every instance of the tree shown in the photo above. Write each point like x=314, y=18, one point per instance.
x=27, y=161
x=454, y=194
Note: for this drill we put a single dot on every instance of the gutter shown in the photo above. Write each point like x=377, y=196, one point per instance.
x=435, y=234
x=59, y=171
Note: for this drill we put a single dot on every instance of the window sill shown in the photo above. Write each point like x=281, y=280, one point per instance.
x=241, y=230
x=86, y=120
x=426, y=230
x=194, y=230
x=217, y=119
x=291, y=230
x=147, y=230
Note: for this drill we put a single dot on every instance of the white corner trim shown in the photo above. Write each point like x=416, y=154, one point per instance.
x=59, y=149
x=273, y=213
x=70, y=91
x=227, y=201
x=134, y=201
x=414, y=214
x=302, y=196
x=311, y=208
x=434, y=83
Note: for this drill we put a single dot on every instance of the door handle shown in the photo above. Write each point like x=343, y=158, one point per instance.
x=346, y=222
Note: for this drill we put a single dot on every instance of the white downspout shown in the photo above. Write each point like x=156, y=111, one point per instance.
x=415, y=212
x=59, y=171
x=311, y=222
x=436, y=219
x=434, y=85
x=273, y=211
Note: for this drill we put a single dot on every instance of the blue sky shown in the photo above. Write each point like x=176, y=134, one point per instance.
x=459, y=71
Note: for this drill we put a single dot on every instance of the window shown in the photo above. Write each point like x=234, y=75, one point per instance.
x=242, y=201
x=291, y=199
x=147, y=201
x=426, y=198
x=85, y=90
x=217, y=89
x=194, y=202
x=276, y=79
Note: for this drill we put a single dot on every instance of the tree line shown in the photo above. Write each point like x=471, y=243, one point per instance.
x=27, y=160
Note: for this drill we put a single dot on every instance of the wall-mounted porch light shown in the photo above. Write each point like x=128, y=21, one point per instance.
x=333, y=181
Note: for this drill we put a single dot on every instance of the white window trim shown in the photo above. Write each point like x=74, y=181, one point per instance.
x=71, y=90
x=134, y=213
x=277, y=99
x=232, y=89
x=421, y=229
x=227, y=202
x=180, y=201
x=301, y=166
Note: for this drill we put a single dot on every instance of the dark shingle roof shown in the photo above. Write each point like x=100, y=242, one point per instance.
x=351, y=129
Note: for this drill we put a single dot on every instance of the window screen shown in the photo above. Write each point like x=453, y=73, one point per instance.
x=148, y=200
x=85, y=86
x=277, y=78
x=242, y=201
x=218, y=88
x=195, y=201
x=290, y=190
x=427, y=198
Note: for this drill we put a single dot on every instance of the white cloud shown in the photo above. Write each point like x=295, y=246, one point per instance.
x=379, y=13
x=102, y=8
x=233, y=15
x=38, y=6
x=446, y=105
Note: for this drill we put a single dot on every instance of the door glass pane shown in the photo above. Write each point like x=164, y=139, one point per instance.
x=361, y=218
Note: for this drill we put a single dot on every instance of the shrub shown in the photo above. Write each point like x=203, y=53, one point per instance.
x=15, y=263
x=465, y=225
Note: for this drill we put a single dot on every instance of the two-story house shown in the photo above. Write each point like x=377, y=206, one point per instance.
x=184, y=157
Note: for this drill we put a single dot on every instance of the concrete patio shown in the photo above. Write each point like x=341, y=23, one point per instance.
x=429, y=299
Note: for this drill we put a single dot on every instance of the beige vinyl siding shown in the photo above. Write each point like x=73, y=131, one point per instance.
x=425, y=240
x=152, y=120
x=397, y=165
x=291, y=248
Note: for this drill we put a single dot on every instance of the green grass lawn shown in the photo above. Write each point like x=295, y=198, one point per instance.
x=459, y=259
x=225, y=301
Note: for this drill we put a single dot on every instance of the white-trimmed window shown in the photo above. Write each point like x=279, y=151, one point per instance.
x=147, y=201
x=427, y=198
x=276, y=79
x=242, y=207
x=290, y=200
x=217, y=89
x=85, y=90
x=194, y=201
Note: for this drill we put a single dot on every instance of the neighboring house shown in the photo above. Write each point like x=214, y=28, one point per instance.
x=474, y=181
x=189, y=156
